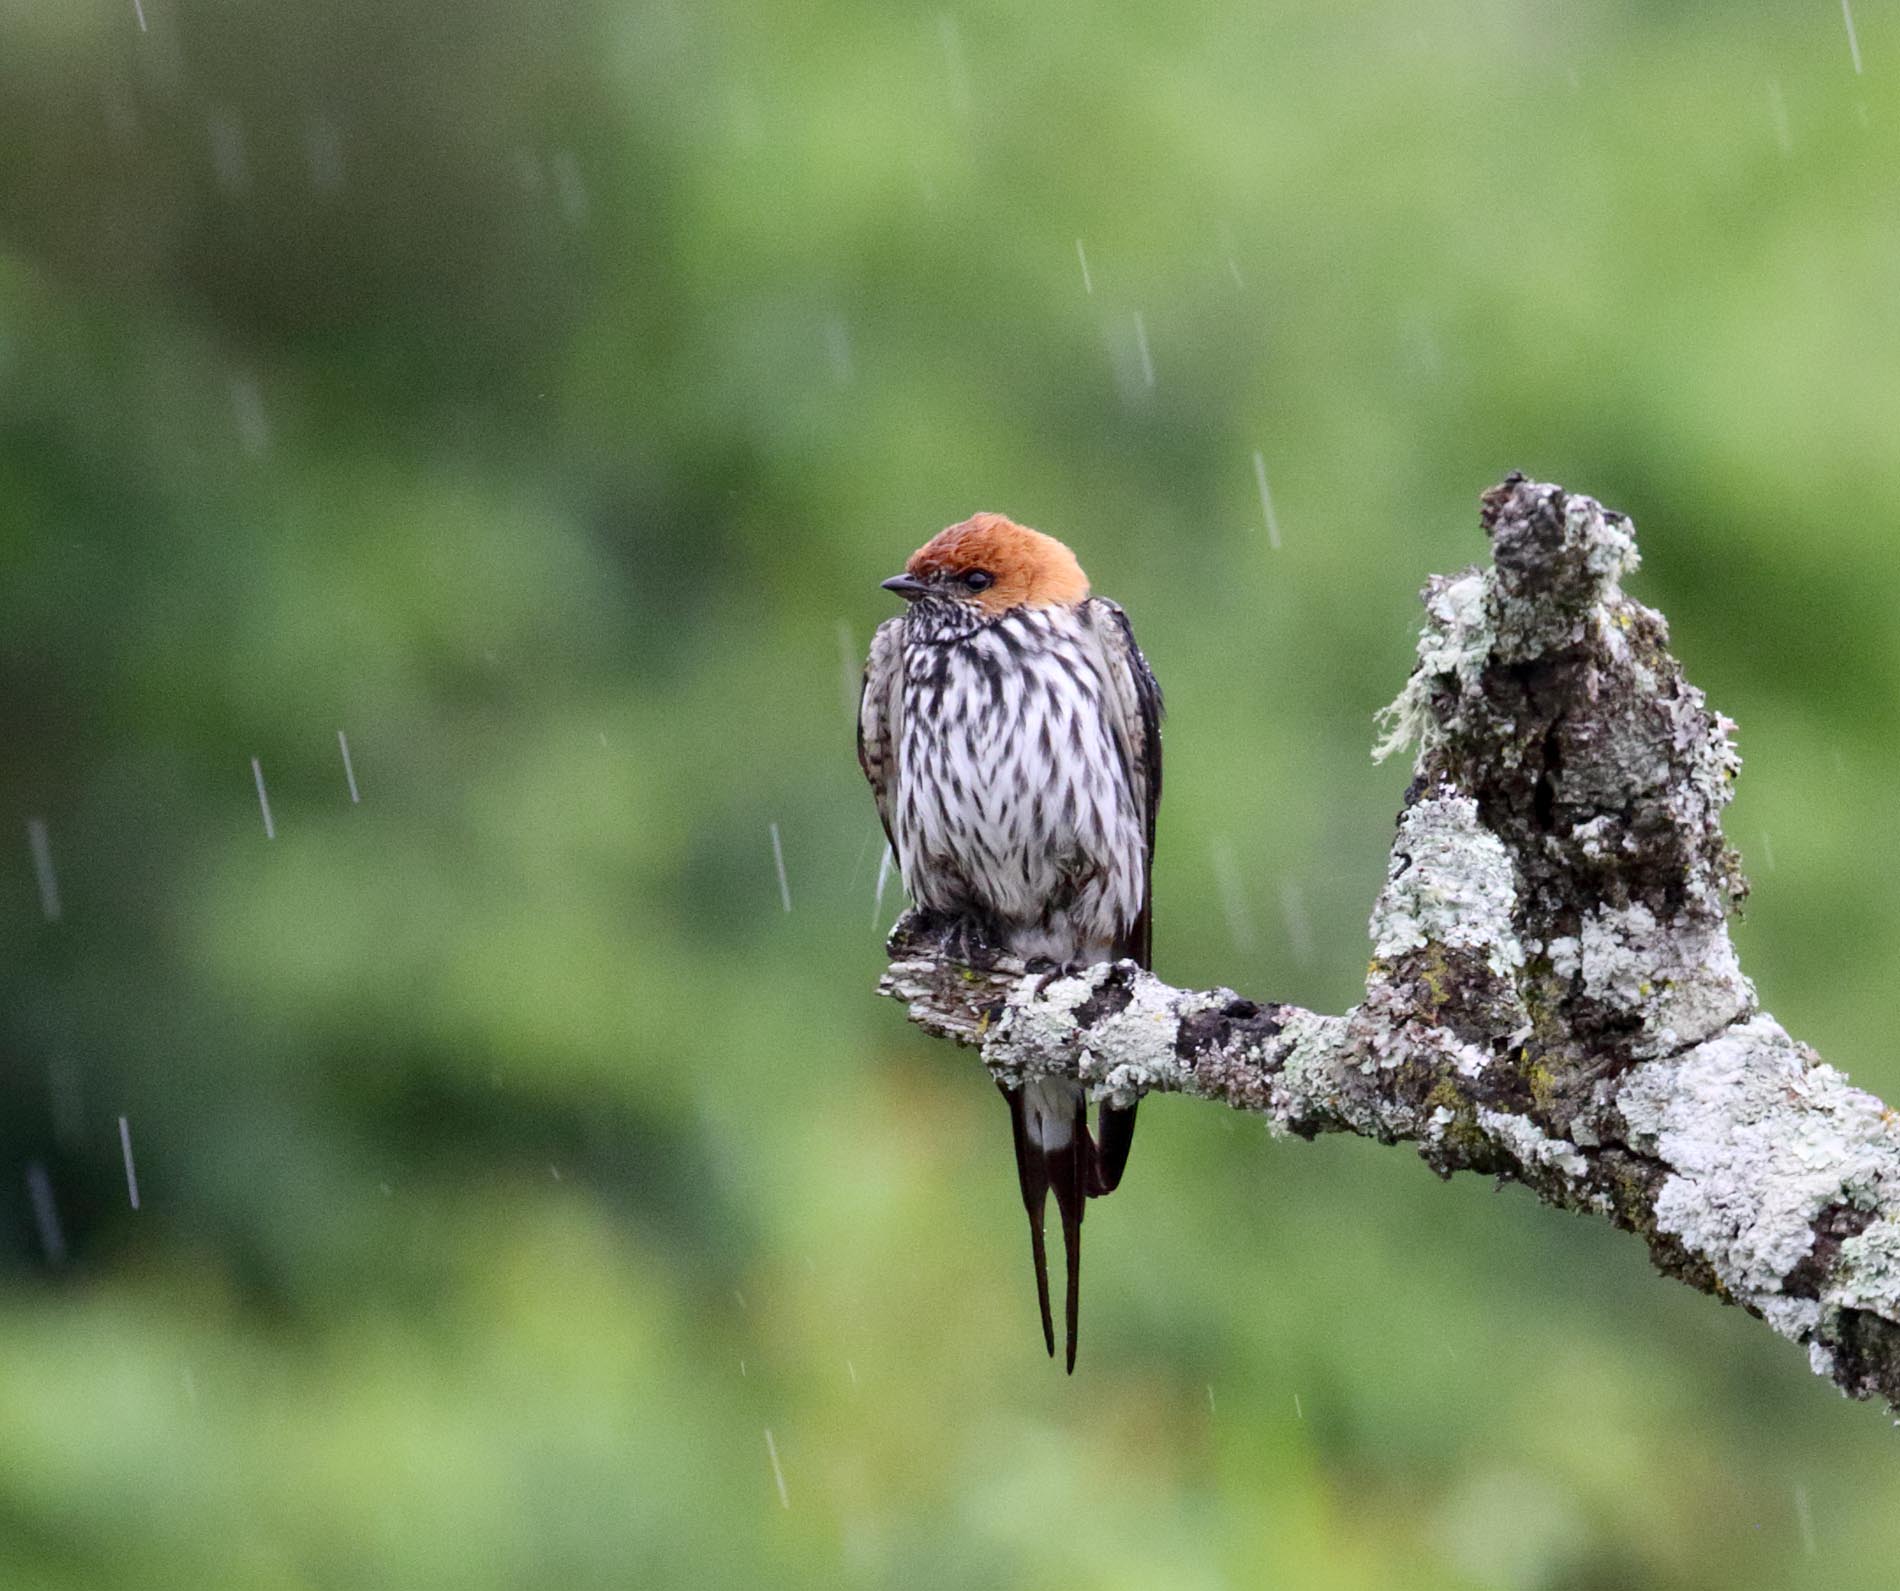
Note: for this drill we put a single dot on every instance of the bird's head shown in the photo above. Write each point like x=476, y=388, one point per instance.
x=991, y=564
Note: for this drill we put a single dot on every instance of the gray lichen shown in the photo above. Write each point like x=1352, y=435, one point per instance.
x=1869, y=1274
x=1530, y=1145
x=1553, y=995
x=1680, y=979
x=1449, y=882
x=1757, y=1145
x=1762, y=1142
x=1454, y=644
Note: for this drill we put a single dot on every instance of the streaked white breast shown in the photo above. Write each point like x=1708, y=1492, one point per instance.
x=1013, y=796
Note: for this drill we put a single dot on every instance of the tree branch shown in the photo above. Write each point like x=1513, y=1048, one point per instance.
x=1553, y=995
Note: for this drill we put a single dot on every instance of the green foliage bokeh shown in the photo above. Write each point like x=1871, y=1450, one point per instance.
x=536, y=396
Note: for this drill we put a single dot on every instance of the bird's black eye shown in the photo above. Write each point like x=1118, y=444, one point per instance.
x=979, y=579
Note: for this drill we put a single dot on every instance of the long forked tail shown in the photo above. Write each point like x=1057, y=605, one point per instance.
x=1054, y=1153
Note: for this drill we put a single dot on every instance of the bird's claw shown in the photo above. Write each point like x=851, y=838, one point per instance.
x=1047, y=971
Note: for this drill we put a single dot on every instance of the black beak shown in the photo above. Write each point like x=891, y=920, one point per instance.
x=909, y=587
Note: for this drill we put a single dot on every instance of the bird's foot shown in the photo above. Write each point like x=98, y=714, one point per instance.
x=948, y=937
x=1047, y=971
x=962, y=944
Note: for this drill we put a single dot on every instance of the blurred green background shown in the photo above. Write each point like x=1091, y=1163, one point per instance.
x=537, y=396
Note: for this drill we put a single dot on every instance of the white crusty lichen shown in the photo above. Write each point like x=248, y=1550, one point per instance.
x=1293, y=1073
x=1454, y=644
x=1314, y=1051
x=1759, y=1139
x=1039, y=1023
x=1123, y=1053
x=1132, y=1051
x=1530, y=1145
x=1702, y=784
x=1608, y=540
x=1681, y=978
x=1869, y=1273
x=1795, y=1318
x=1449, y=882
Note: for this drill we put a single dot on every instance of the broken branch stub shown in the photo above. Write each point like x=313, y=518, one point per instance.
x=1553, y=995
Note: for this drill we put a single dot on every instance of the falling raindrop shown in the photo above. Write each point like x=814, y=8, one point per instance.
x=247, y=409
x=1141, y=347
x=42, y=849
x=883, y=877
x=850, y=670
x=1767, y=851
x=1088, y=282
x=955, y=71
x=131, y=1171
x=1232, y=897
x=864, y=850
x=138, y=10
x=1297, y=1410
x=263, y=799
x=228, y=159
x=1804, y=1519
x=852, y=1371
x=838, y=349
x=349, y=772
x=1130, y=359
x=1299, y=933
x=778, y=1475
x=778, y=861
x=1266, y=499
x=39, y=1189
x=568, y=187
x=1853, y=38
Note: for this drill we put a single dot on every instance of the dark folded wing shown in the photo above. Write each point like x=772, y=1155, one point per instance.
x=1134, y=706
x=880, y=718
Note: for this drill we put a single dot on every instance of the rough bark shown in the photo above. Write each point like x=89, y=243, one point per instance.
x=1553, y=996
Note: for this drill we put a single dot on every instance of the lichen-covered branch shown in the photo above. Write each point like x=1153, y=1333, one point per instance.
x=1553, y=995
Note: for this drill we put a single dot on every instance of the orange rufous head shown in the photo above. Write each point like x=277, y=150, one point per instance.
x=995, y=564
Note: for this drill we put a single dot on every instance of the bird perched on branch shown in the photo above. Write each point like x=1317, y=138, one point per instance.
x=1011, y=731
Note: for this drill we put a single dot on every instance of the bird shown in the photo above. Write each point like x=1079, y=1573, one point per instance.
x=1010, y=728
